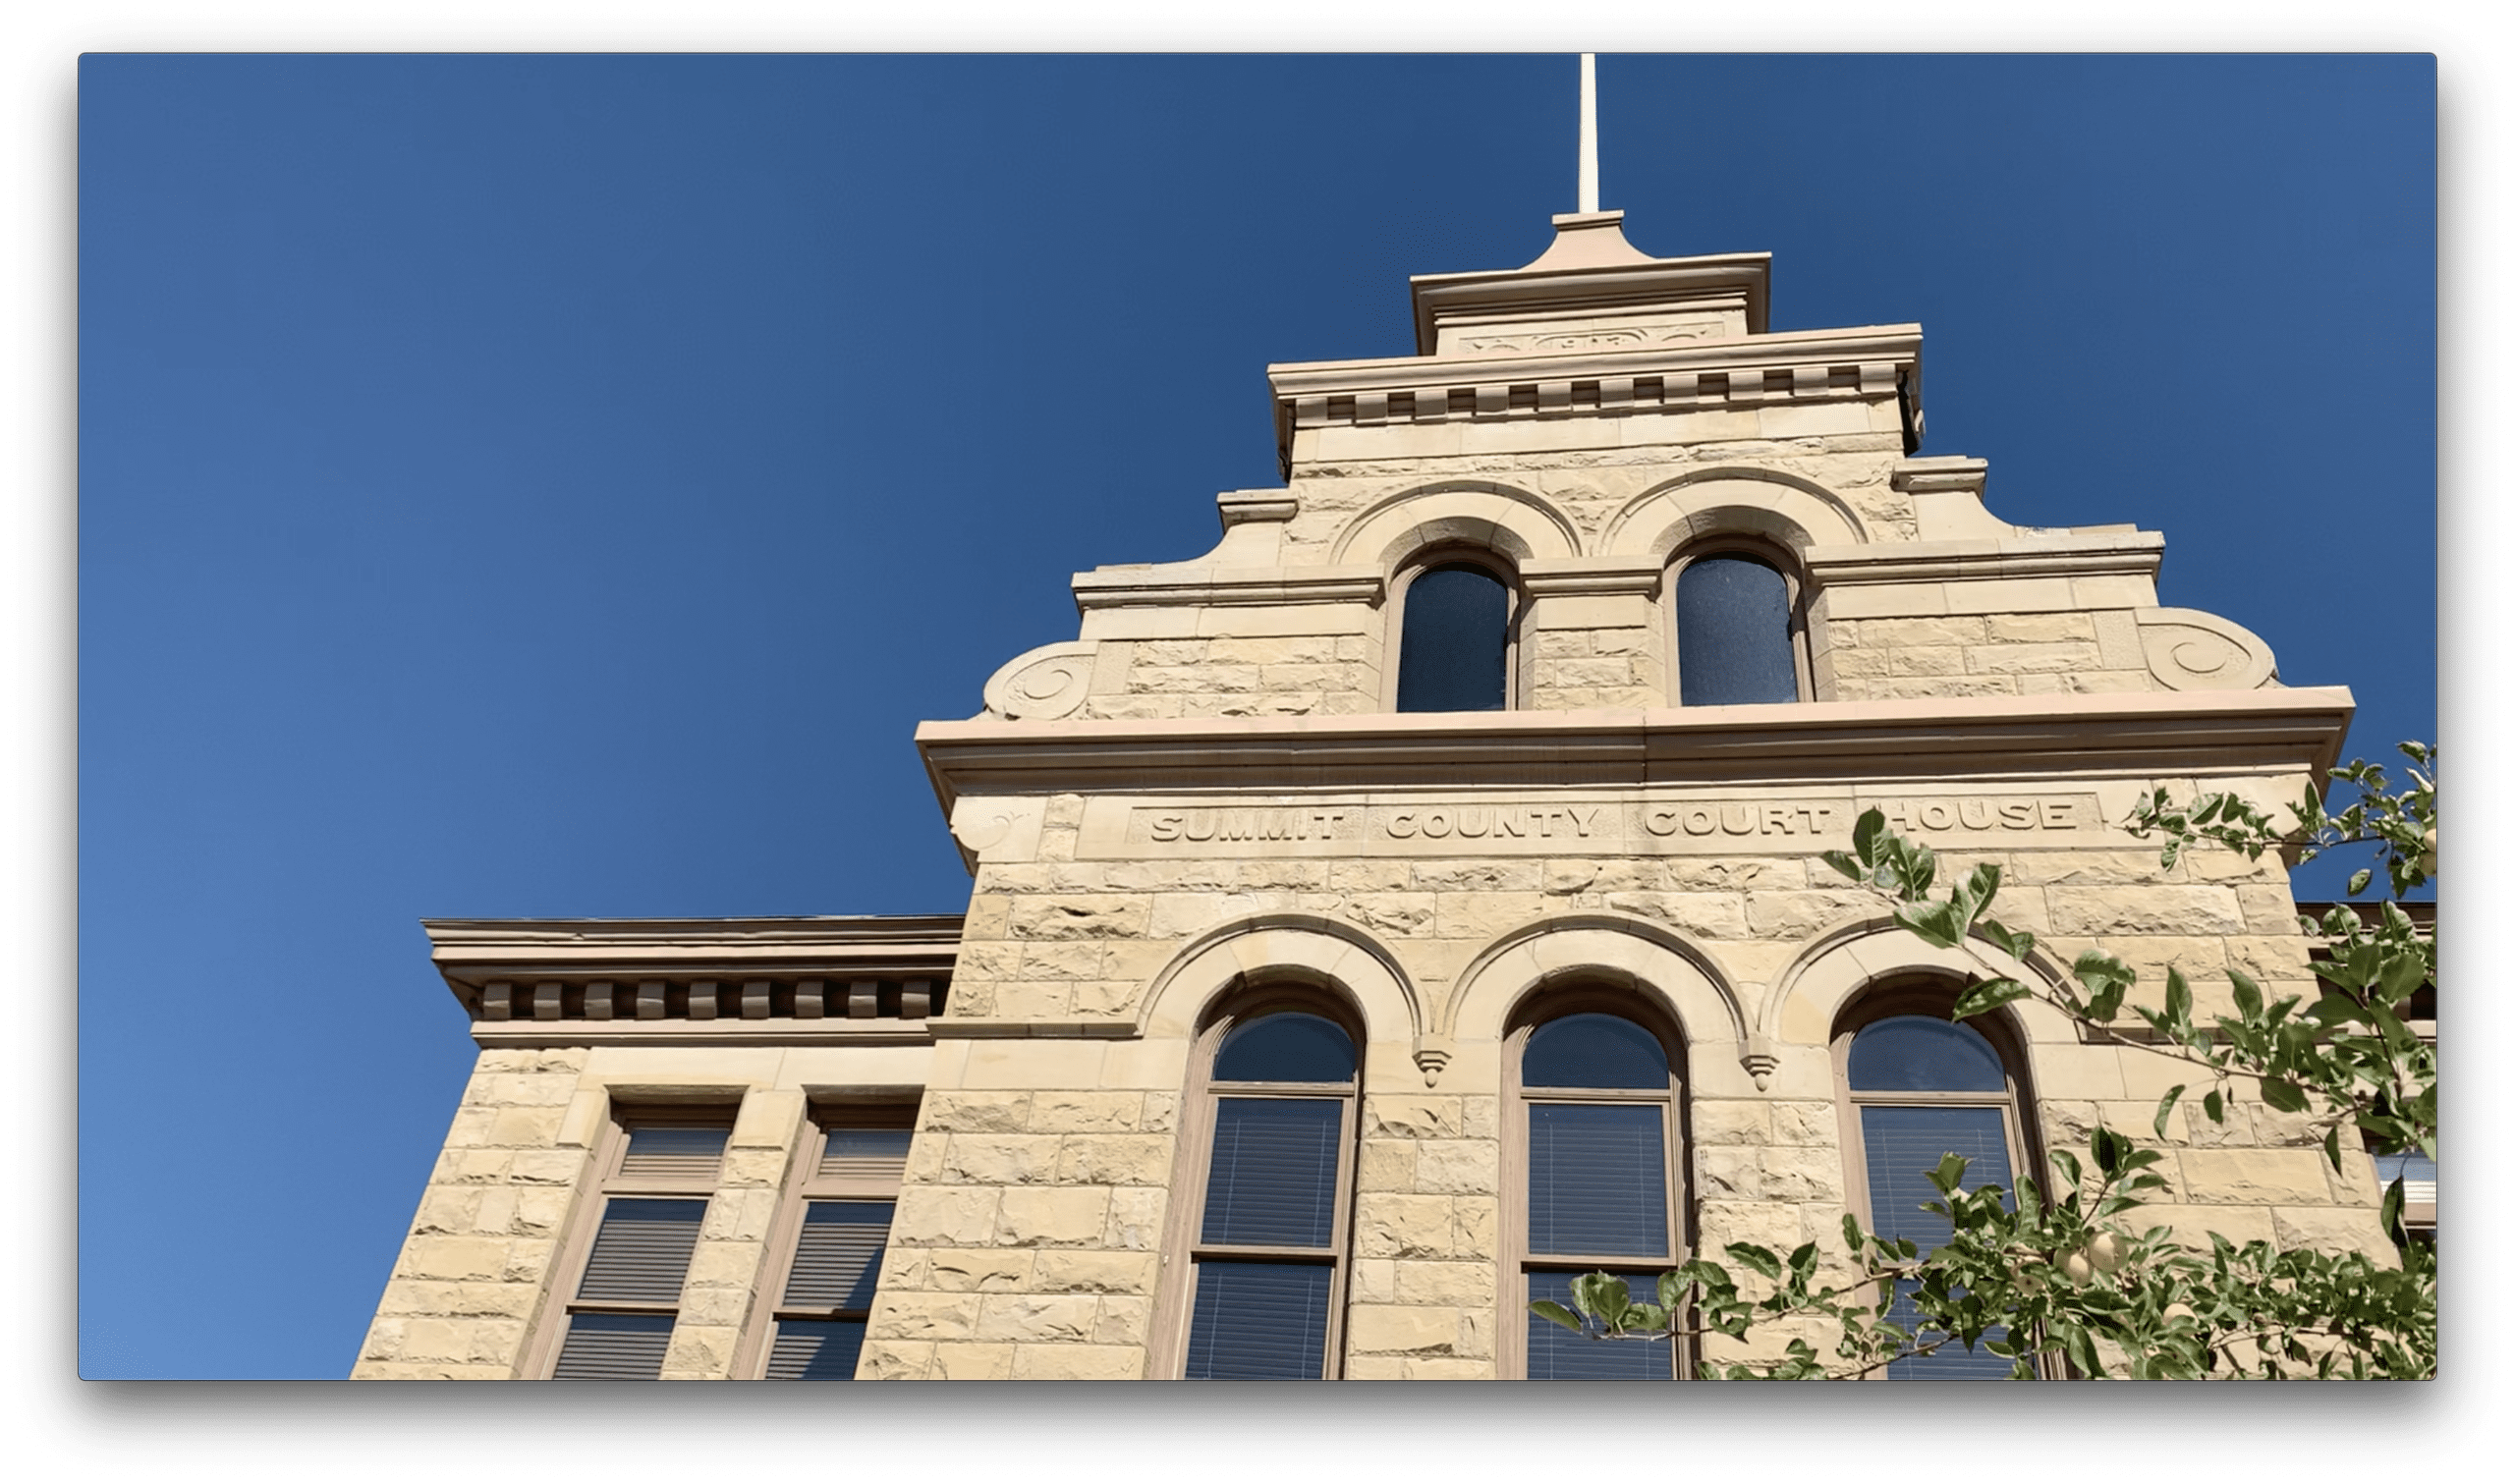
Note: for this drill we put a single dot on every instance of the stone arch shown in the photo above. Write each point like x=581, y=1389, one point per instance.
x=1682, y=980
x=1806, y=998
x=1792, y=512
x=1295, y=946
x=1498, y=518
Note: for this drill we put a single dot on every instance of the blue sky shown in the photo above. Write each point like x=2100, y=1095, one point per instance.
x=534, y=486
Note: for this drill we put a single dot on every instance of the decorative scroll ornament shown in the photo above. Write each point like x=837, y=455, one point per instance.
x=998, y=830
x=2191, y=650
x=1043, y=685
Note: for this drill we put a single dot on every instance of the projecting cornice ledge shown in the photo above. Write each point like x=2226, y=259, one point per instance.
x=2168, y=734
x=2103, y=554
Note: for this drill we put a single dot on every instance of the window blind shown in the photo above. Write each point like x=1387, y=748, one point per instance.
x=816, y=1349
x=1260, y=1321
x=1902, y=1145
x=838, y=1255
x=641, y=1252
x=1556, y=1353
x=1598, y=1179
x=1273, y=1181
x=614, y=1347
x=673, y=1153
x=865, y=1154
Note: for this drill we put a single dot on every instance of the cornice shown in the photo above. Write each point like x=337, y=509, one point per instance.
x=2123, y=553
x=1649, y=281
x=1193, y=585
x=1897, y=344
x=493, y=946
x=2170, y=733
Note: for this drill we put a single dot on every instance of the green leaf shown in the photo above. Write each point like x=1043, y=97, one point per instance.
x=2165, y=1105
x=2282, y=1094
x=1759, y=1259
x=1547, y=1308
x=2107, y=1147
x=2358, y=882
x=2017, y=944
x=1865, y=832
x=1936, y=922
x=2248, y=994
x=1989, y=995
x=2178, y=999
x=2216, y=1105
x=1845, y=863
x=1672, y=1287
x=2331, y=1146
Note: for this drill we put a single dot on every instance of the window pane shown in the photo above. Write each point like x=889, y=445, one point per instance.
x=1924, y=1053
x=865, y=1154
x=1453, y=644
x=838, y=1254
x=1258, y=1321
x=1733, y=633
x=676, y=1152
x=1286, y=1048
x=642, y=1252
x=1555, y=1353
x=1598, y=1179
x=1593, y=1051
x=1274, y=1172
x=1902, y=1145
x=614, y=1347
x=816, y=1349
x=2416, y=1172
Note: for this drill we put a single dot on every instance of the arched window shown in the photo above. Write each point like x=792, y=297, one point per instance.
x=1597, y=1135
x=1736, y=627
x=1918, y=1087
x=1455, y=619
x=1268, y=1212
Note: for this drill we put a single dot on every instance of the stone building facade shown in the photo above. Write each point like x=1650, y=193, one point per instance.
x=1209, y=804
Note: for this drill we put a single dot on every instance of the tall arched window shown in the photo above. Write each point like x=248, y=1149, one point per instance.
x=1918, y=1087
x=1454, y=638
x=1737, y=621
x=1269, y=1215
x=1599, y=1138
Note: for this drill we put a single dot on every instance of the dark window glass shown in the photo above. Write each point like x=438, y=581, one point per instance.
x=642, y=1252
x=1274, y=1172
x=1555, y=1353
x=1924, y=1053
x=816, y=1349
x=1454, y=641
x=868, y=1143
x=1593, y=1051
x=1733, y=633
x=1903, y=1145
x=1260, y=1321
x=1286, y=1048
x=1598, y=1179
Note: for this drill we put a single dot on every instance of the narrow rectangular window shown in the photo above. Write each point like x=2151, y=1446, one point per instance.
x=653, y=1199
x=839, y=1210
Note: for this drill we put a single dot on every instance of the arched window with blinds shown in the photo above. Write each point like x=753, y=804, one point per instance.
x=1599, y=1143
x=1918, y=1087
x=1454, y=625
x=1737, y=626
x=1269, y=1208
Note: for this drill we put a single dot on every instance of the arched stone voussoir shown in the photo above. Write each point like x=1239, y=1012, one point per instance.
x=1685, y=980
x=1792, y=512
x=1288, y=945
x=1512, y=522
x=1807, y=997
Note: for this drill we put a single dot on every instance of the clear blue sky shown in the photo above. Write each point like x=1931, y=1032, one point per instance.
x=522, y=486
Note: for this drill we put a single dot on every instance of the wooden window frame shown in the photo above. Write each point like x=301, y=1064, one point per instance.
x=1510, y=1340
x=1515, y=686
x=605, y=1183
x=1182, y=1245
x=1933, y=998
x=1794, y=586
x=805, y=1184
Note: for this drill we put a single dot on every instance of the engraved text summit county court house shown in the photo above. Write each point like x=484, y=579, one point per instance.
x=1411, y=903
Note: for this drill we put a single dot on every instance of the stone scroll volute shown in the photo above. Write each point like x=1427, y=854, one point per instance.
x=1042, y=684
x=2191, y=650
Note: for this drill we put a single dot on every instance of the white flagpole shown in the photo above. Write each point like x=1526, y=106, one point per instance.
x=1588, y=131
